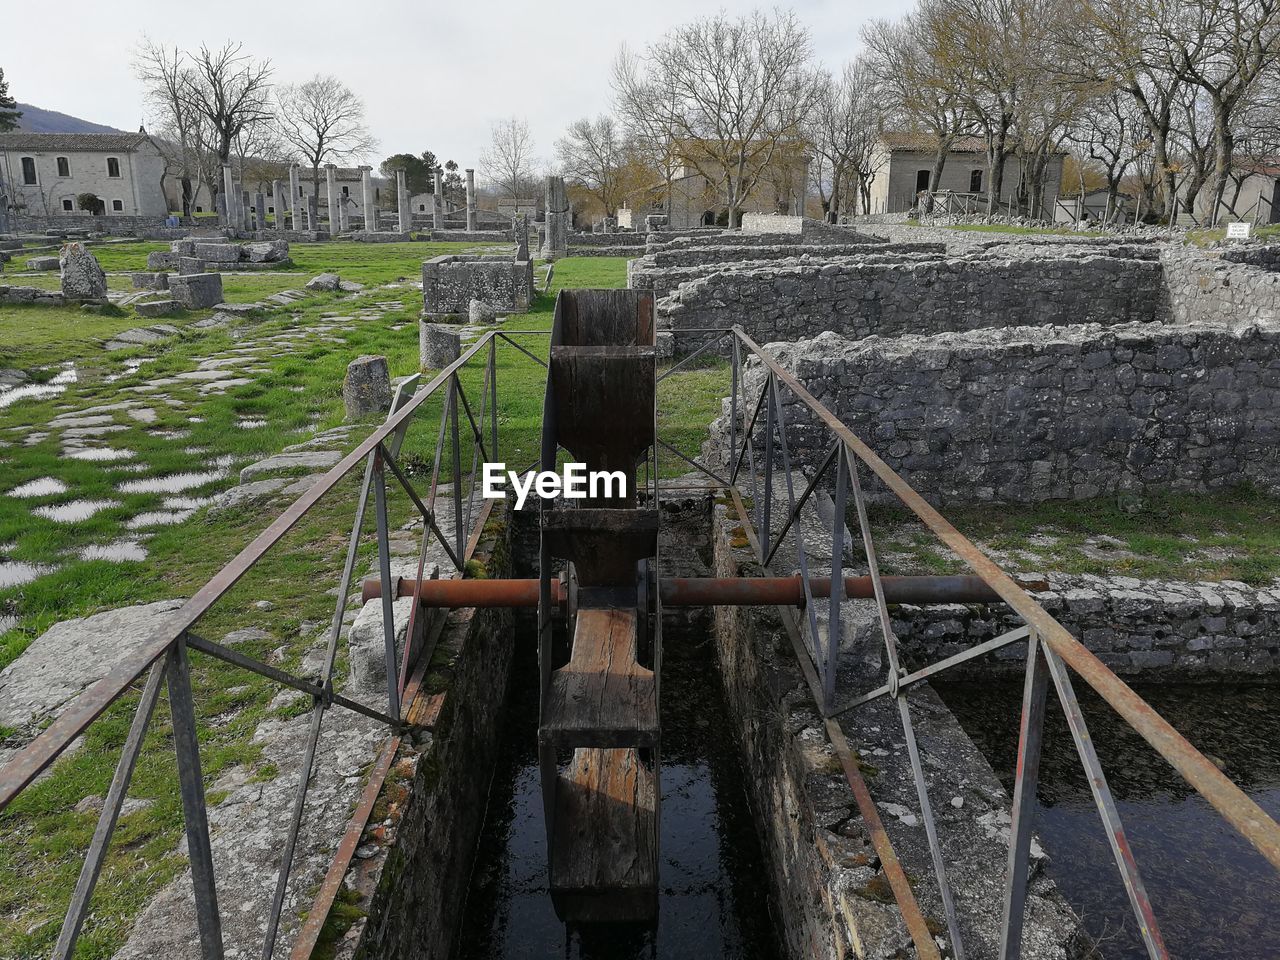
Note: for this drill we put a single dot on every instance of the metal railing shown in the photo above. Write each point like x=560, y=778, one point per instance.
x=163, y=656
x=1051, y=650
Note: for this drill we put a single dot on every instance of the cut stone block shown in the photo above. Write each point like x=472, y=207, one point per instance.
x=198, y=290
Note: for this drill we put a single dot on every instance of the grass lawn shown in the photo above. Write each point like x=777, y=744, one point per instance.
x=1231, y=535
x=1202, y=238
x=42, y=839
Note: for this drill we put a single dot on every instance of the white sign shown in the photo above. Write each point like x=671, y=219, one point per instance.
x=1238, y=231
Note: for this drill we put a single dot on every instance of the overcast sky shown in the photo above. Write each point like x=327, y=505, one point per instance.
x=432, y=75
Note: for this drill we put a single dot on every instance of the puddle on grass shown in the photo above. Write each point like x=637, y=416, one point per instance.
x=158, y=518
x=39, y=391
x=14, y=573
x=174, y=483
x=130, y=368
x=101, y=454
x=186, y=503
x=42, y=487
x=75, y=510
x=7, y=622
x=251, y=423
x=120, y=551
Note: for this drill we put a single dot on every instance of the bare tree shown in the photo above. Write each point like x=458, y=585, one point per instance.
x=915, y=86
x=1114, y=135
x=323, y=120
x=731, y=95
x=509, y=162
x=230, y=90
x=649, y=136
x=592, y=154
x=845, y=131
x=181, y=131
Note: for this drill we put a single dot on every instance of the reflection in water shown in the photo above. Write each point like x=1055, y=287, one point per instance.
x=174, y=483
x=14, y=573
x=1214, y=896
x=101, y=454
x=41, y=487
x=38, y=391
x=713, y=901
x=119, y=551
x=75, y=510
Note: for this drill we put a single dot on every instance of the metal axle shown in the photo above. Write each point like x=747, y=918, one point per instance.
x=697, y=591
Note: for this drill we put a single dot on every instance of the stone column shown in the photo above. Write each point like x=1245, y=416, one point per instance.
x=344, y=214
x=437, y=201
x=471, y=200
x=331, y=178
x=4, y=212
x=439, y=344
x=277, y=195
x=520, y=225
x=402, y=203
x=245, y=212
x=367, y=201
x=295, y=205
x=229, y=191
x=556, y=243
x=260, y=206
x=313, y=213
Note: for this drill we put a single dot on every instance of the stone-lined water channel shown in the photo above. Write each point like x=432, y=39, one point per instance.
x=1215, y=897
x=713, y=897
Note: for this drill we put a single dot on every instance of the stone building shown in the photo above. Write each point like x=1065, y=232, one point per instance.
x=697, y=199
x=45, y=173
x=906, y=162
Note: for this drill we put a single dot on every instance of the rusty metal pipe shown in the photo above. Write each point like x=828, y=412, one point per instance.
x=698, y=591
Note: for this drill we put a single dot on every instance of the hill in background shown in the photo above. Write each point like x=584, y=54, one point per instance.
x=37, y=120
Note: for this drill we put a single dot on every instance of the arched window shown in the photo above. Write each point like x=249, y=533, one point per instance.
x=113, y=167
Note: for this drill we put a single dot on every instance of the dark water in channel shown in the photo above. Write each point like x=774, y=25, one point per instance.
x=1214, y=896
x=712, y=898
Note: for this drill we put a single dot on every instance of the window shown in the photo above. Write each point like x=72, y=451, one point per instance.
x=975, y=181
x=346, y=192
x=199, y=209
x=271, y=209
x=377, y=194
x=422, y=208
x=922, y=181
x=29, y=170
x=117, y=206
x=113, y=167
x=68, y=206
x=64, y=167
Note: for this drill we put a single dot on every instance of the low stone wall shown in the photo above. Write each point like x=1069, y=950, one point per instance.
x=472, y=236
x=1149, y=630
x=624, y=238
x=833, y=900
x=111, y=223
x=1031, y=414
x=889, y=299
x=451, y=282
x=665, y=281
x=1266, y=257
x=733, y=238
x=410, y=878
x=1233, y=290
x=19, y=295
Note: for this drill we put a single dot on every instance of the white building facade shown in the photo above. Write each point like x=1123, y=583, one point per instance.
x=45, y=174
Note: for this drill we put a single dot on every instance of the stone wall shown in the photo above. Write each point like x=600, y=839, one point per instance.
x=793, y=302
x=1266, y=257
x=1033, y=413
x=20, y=295
x=471, y=236
x=451, y=282
x=664, y=272
x=832, y=899
x=411, y=875
x=1142, y=629
x=1211, y=289
x=109, y=223
x=618, y=238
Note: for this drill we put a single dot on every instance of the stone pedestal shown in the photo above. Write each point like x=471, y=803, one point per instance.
x=437, y=202
x=403, y=210
x=366, y=390
x=331, y=184
x=295, y=204
x=367, y=201
x=439, y=344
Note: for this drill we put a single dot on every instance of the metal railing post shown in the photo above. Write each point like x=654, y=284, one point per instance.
x=191, y=785
x=388, y=588
x=834, y=626
x=1030, y=736
x=765, y=508
x=458, y=533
